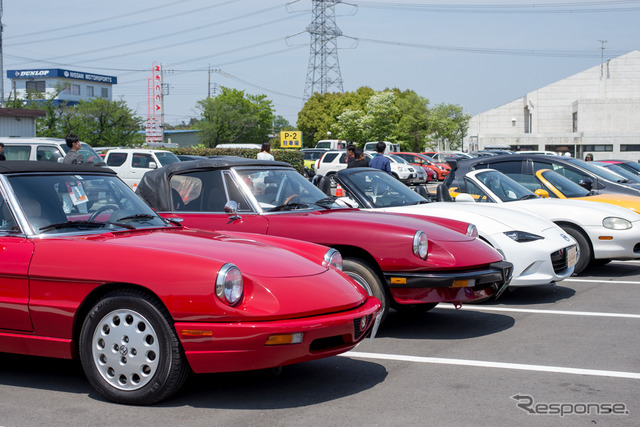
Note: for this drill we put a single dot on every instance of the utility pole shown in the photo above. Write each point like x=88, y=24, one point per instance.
x=602, y=42
x=209, y=82
x=323, y=73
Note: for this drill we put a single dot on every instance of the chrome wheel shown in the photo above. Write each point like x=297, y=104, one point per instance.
x=125, y=349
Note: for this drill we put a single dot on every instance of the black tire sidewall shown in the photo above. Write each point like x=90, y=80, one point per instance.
x=583, y=245
x=170, y=357
x=362, y=269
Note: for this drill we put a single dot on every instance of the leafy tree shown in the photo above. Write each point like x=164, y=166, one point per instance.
x=103, y=123
x=233, y=116
x=280, y=124
x=449, y=122
x=412, y=128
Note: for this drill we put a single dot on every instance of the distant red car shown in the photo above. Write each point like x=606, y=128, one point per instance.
x=410, y=263
x=631, y=166
x=441, y=170
x=90, y=271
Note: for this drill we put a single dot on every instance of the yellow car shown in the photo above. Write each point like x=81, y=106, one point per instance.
x=311, y=155
x=552, y=184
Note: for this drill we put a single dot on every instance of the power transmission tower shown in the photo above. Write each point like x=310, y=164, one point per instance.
x=323, y=74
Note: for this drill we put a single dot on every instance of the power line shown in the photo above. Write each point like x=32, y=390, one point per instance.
x=542, y=8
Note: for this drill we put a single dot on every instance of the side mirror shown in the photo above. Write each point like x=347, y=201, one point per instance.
x=465, y=198
x=542, y=193
x=586, y=183
x=231, y=209
x=153, y=165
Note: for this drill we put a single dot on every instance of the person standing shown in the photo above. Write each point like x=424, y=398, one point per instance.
x=351, y=153
x=360, y=160
x=2, y=157
x=73, y=157
x=265, y=152
x=379, y=161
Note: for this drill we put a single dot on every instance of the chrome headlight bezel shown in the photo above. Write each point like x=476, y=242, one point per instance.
x=616, y=223
x=522, y=236
x=420, y=244
x=229, y=284
x=332, y=257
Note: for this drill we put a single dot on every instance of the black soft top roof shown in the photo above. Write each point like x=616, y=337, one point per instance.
x=26, y=166
x=154, y=188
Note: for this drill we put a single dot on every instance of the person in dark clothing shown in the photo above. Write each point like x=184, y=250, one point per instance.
x=73, y=157
x=2, y=157
x=351, y=153
x=360, y=160
x=379, y=161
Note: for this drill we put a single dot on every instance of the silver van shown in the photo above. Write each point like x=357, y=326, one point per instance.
x=45, y=149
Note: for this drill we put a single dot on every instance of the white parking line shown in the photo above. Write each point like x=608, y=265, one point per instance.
x=499, y=365
x=471, y=307
x=612, y=282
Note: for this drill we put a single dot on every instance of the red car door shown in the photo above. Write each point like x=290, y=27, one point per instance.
x=15, y=256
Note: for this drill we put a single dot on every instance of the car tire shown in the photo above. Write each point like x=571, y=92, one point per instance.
x=584, y=249
x=130, y=351
x=366, y=277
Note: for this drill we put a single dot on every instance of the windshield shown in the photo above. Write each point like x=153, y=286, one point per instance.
x=313, y=155
x=567, y=187
x=166, y=158
x=601, y=172
x=381, y=190
x=282, y=189
x=397, y=159
x=69, y=203
x=624, y=173
x=504, y=187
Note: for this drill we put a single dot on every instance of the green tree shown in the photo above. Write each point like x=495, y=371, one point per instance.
x=233, y=116
x=449, y=122
x=412, y=129
x=103, y=123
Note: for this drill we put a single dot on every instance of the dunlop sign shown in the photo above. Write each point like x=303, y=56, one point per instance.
x=290, y=139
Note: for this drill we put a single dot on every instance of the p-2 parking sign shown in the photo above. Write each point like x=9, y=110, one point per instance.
x=290, y=139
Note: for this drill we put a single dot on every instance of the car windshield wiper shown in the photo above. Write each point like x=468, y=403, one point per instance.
x=137, y=216
x=289, y=206
x=326, y=202
x=78, y=224
x=528, y=196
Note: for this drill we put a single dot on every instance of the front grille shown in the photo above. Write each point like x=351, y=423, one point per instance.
x=357, y=333
x=559, y=260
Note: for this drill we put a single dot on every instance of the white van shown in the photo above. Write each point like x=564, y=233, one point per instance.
x=45, y=149
x=391, y=147
x=332, y=144
x=132, y=163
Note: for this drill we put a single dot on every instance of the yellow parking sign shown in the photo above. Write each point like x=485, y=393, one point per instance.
x=290, y=139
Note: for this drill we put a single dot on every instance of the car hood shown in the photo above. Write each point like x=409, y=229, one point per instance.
x=587, y=213
x=352, y=220
x=623, y=200
x=253, y=254
x=488, y=219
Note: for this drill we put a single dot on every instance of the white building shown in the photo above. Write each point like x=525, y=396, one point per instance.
x=43, y=83
x=595, y=111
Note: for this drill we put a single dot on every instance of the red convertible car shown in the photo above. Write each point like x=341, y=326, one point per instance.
x=90, y=271
x=402, y=260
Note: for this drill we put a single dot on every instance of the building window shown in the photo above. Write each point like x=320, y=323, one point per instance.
x=629, y=147
x=528, y=118
x=90, y=92
x=104, y=92
x=75, y=90
x=36, y=86
x=599, y=147
x=574, y=120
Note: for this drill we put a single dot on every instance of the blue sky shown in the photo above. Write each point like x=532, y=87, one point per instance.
x=477, y=54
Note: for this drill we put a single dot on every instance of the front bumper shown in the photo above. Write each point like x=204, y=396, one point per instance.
x=240, y=346
x=448, y=286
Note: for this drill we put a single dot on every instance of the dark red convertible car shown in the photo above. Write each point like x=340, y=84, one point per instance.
x=406, y=261
x=88, y=270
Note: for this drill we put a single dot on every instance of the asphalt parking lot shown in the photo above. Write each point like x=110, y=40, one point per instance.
x=567, y=354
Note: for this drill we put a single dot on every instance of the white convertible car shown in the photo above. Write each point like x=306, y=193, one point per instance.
x=603, y=232
x=541, y=252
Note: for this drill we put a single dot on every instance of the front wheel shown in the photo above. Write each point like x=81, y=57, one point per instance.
x=583, y=248
x=129, y=350
x=368, y=279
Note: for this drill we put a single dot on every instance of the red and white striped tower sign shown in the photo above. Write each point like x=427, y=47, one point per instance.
x=154, y=129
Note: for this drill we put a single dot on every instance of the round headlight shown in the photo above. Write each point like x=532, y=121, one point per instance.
x=420, y=244
x=334, y=258
x=615, y=223
x=229, y=286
